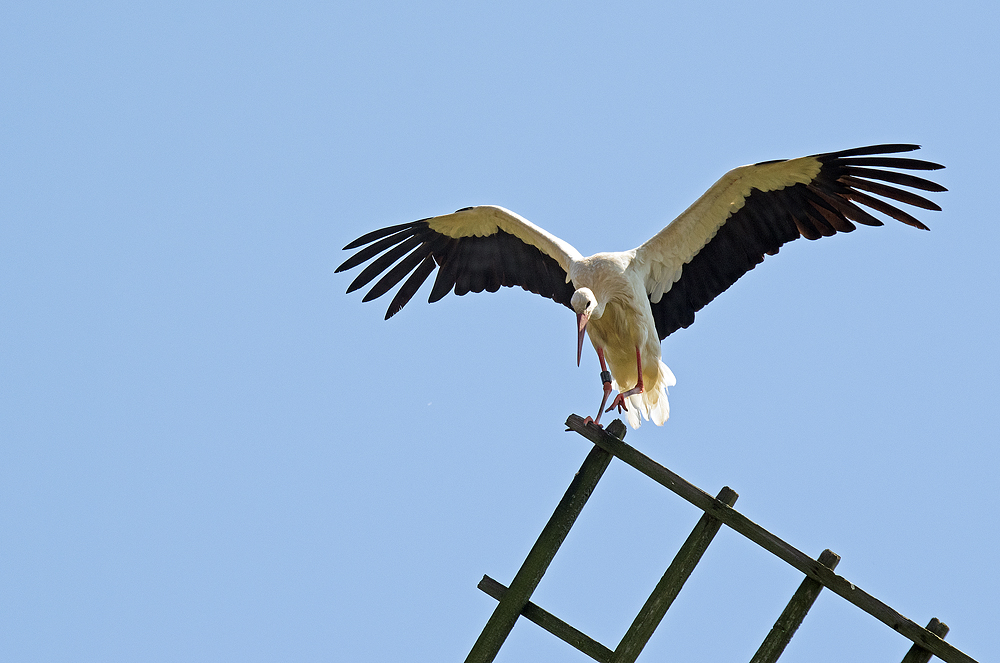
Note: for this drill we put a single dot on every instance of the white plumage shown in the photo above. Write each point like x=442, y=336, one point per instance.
x=628, y=301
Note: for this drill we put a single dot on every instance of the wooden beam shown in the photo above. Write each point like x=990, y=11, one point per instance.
x=751, y=530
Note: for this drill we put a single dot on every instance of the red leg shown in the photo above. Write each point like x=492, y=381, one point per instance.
x=619, y=401
x=607, y=389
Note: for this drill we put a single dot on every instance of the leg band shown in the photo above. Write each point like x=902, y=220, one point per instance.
x=605, y=376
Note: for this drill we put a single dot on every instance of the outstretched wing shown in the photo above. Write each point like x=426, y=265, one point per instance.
x=755, y=209
x=474, y=249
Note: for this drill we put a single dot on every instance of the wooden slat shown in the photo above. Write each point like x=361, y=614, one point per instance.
x=751, y=530
x=663, y=595
x=791, y=617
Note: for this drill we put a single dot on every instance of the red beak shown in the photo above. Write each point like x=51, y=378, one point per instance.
x=581, y=323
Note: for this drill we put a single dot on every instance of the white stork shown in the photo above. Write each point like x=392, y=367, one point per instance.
x=629, y=301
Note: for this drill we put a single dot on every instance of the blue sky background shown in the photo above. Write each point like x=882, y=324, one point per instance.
x=210, y=452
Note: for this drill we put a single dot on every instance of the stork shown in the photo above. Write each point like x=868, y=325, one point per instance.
x=629, y=301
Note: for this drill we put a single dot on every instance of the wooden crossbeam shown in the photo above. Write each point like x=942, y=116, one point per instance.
x=552, y=624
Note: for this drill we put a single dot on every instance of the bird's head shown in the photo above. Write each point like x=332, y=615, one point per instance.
x=585, y=304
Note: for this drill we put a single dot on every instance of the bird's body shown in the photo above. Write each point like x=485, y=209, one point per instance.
x=629, y=301
x=623, y=325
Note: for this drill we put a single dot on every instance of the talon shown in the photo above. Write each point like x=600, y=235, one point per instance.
x=619, y=402
x=590, y=420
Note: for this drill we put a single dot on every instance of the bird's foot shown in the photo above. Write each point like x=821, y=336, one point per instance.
x=591, y=420
x=619, y=403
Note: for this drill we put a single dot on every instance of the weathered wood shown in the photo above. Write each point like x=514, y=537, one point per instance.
x=552, y=624
x=663, y=595
x=918, y=654
x=505, y=615
x=751, y=530
x=793, y=614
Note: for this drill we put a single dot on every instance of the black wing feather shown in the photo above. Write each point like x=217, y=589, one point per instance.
x=902, y=179
x=825, y=206
x=410, y=287
x=888, y=148
x=902, y=196
x=377, y=234
x=383, y=261
x=399, y=271
x=894, y=162
x=447, y=274
x=373, y=250
x=465, y=264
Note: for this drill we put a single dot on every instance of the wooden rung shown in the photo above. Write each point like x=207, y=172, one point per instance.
x=793, y=614
x=670, y=584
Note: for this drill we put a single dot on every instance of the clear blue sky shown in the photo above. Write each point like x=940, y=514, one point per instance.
x=209, y=452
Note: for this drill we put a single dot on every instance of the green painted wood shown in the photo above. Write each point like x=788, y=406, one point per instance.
x=505, y=615
x=552, y=624
x=751, y=530
x=793, y=614
x=663, y=595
